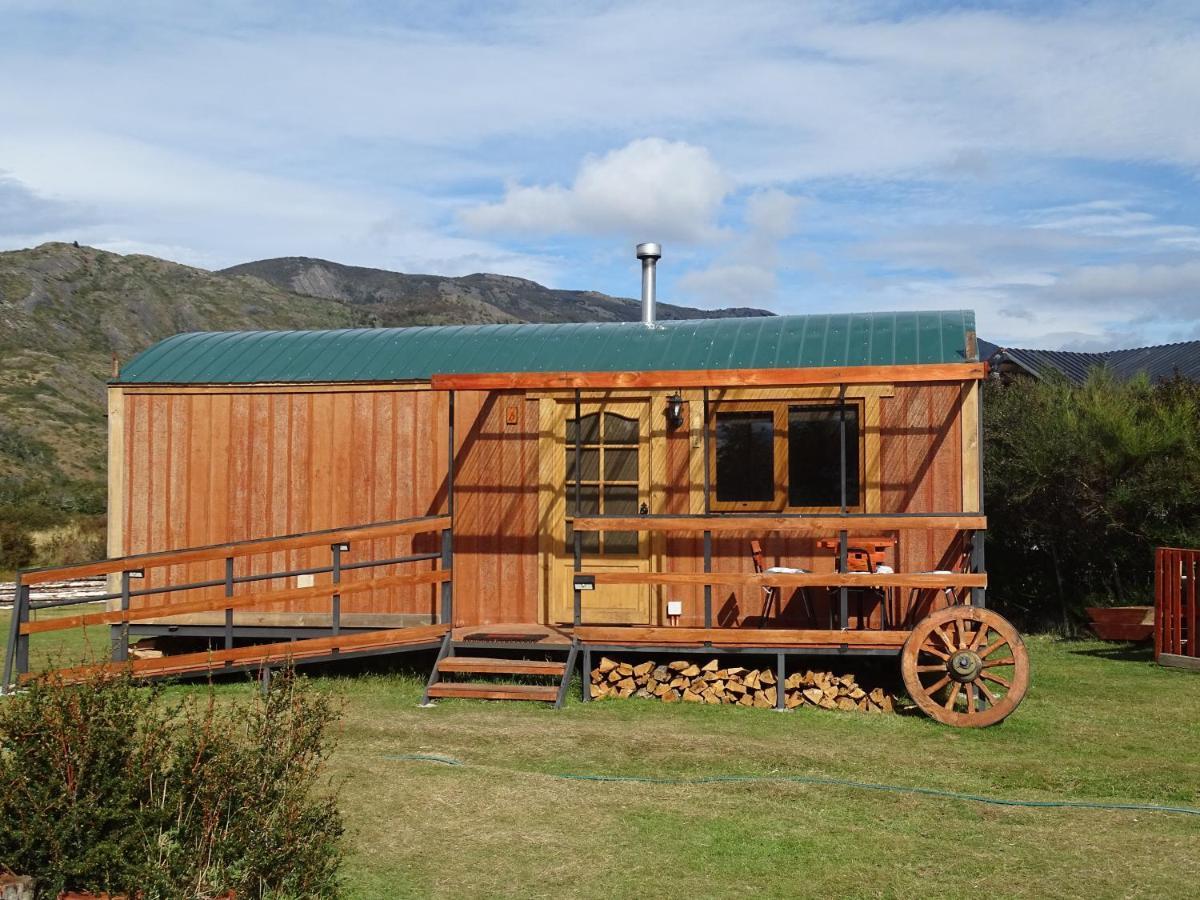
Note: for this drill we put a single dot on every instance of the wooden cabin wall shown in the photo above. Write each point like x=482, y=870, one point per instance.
x=205, y=466
x=921, y=470
x=496, y=564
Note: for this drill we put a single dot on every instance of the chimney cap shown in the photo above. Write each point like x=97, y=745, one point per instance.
x=649, y=251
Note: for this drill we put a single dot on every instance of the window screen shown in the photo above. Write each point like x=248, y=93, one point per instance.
x=745, y=457
x=814, y=456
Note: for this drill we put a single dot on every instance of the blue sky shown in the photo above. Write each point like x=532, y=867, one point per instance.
x=1035, y=162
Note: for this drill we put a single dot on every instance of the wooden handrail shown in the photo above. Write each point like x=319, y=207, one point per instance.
x=919, y=580
x=237, y=549
x=119, y=616
x=260, y=654
x=823, y=524
x=711, y=378
x=737, y=637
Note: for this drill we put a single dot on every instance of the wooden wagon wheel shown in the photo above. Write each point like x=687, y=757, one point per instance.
x=965, y=666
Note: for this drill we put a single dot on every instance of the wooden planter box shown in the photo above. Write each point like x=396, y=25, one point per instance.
x=1122, y=623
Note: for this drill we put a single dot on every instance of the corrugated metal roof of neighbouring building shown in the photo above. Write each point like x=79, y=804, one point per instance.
x=1164, y=361
x=416, y=354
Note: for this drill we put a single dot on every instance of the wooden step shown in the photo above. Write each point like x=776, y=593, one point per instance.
x=478, y=691
x=497, y=666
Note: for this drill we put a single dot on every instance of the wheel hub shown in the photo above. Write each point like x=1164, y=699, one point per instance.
x=965, y=665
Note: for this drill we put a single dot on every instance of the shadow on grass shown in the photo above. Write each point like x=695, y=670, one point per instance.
x=1125, y=652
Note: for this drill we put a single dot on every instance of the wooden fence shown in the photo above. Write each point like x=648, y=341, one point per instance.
x=1175, y=612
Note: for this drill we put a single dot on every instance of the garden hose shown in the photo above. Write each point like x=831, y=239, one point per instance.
x=818, y=780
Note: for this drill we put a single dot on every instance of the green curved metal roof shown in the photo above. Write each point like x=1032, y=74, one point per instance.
x=416, y=354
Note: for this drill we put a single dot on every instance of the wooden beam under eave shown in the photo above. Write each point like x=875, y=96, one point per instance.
x=711, y=378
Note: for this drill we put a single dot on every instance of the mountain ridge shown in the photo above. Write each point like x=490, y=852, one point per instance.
x=67, y=311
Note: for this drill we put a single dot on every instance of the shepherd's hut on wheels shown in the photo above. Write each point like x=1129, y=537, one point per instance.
x=787, y=486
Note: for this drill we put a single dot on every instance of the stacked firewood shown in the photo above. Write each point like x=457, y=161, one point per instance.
x=685, y=681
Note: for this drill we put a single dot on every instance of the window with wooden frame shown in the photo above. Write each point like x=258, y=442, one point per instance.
x=784, y=455
x=608, y=481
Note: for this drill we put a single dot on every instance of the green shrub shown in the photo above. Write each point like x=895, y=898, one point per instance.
x=106, y=786
x=1082, y=483
x=16, y=547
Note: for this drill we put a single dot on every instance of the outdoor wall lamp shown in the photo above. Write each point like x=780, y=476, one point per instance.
x=675, y=410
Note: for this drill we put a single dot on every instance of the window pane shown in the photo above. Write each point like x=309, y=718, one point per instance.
x=745, y=456
x=814, y=456
x=620, y=430
x=591, y=430
x=620, y=500
x=589, y=462
x=589, y=542
x=589, y=500
x=621, y=542
x=620, y=465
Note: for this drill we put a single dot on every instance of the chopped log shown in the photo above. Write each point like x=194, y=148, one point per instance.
x=767, y=676
x=735, y=687
x=791, y=701
x=877, y=695
x=826, y=703
x=711, y=697
x=625, y=669
x=670, y=697
x=793, y=681
x=858, y=693
x=845, y=703
x=626, y=684
x=643, y=694
x=745, y=700
x=691, y=696
x=679, y=681
x=761, y=701
x=614, y=675
x=736, y=670
x=690, y=671
x=830, y=691
x=752, y=679
x=814, y=695
x=771, y=695
x=711, y=666
x=661, y=673
x=846, y=680
x=606, y=665
x=679, y=665
x=644, y=668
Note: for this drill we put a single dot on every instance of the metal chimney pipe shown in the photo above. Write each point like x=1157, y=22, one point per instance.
x=649, y=254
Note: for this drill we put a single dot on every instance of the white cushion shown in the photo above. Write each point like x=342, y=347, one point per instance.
x=879, y=570
x=784, y=570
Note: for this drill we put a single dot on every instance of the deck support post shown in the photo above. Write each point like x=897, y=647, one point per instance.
x=780, y=675
x=707, y=509
x=446, y=616
x=979, y=595
x=335, y=622
x=587, y=674
x=18, y=644
x=843, y=535
x=228, y=612
x=120, y=650
x=708, y=606
x=577, y=616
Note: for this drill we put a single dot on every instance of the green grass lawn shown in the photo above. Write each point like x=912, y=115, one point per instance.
x=1101, y=722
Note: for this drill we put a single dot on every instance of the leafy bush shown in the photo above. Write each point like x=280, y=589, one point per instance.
x=1082, y=482
x=16, y=547
x=106, y=786
x=82, y=540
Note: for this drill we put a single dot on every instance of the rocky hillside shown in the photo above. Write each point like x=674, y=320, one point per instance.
x=392, y=299
x=66, y=311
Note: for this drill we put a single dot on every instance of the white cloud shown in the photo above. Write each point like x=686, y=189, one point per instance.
x=650, y=189
x=746, y=274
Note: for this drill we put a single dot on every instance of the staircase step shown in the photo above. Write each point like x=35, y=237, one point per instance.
x=498, y=666
x=477, y=691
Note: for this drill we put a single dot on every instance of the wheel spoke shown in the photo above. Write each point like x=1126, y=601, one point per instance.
x=933, y=651
x=979, y=636
x=931, y=669
x=992, y=663
x=945, y=640
x=993, y=647
x=949, y=704
x=938, y=685
x=991, y=698
x=991, y=676
x=971, y=699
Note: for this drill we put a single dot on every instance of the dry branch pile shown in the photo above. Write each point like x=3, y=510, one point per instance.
x=684, y=680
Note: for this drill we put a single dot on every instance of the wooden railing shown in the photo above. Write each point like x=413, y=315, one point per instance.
x=1175, y=605
x=131, y=568
x=842, y=525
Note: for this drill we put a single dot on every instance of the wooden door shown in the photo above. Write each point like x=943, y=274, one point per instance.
x=615, y=480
